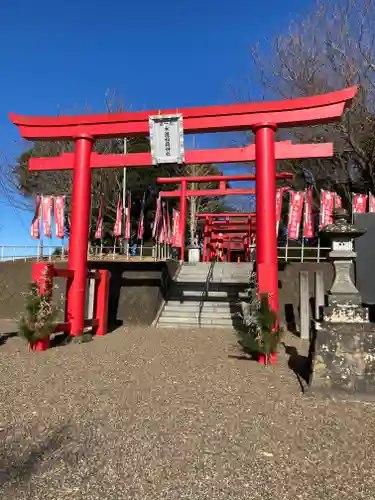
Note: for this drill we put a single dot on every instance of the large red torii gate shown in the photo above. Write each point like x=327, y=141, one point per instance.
x=262, y=118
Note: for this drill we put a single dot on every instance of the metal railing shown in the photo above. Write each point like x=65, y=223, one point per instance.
x=159, y=251
x=51, y=253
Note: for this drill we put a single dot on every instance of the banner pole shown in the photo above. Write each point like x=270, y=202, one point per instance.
x=124, y=241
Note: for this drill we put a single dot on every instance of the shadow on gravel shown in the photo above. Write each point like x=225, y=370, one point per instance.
x=4, y=337
x=300, y=365
x=17, y=468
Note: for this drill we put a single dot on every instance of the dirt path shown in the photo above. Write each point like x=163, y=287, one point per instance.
x=162, y=414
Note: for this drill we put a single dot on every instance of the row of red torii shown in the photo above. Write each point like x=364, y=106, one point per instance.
x=263, y=119
x=223, y=190
x=227, y=232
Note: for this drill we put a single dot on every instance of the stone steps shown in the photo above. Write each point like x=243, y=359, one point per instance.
x=192, y=302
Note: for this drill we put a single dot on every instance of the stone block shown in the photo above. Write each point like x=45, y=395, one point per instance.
x=194, y=254
x=344, y=359
x=346, y=314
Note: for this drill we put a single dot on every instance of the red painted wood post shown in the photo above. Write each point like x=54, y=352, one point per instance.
x=183, y=218
x=266, y=211
x=102, y=298
x=79, y=233
x=204, y=246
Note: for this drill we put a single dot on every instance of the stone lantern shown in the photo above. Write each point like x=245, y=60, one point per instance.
x=344, y=298
x=343, y=352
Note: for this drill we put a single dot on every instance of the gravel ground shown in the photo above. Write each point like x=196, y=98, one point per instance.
x=164, y=414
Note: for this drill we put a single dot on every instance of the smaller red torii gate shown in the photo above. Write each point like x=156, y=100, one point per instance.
x=183, y=193
x=228, y=231
x=241, y=228
x=239, y=235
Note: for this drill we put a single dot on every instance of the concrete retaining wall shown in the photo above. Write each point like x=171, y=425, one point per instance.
x=137, y=289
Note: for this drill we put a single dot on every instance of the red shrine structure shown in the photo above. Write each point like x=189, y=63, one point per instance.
x=223, y=190
x=263, y=119
x=221, y=232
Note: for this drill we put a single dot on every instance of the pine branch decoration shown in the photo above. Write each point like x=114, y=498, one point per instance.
x=262, y=335
x=39, y=320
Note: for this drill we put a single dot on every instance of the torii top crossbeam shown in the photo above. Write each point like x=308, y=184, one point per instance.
x=233, y=117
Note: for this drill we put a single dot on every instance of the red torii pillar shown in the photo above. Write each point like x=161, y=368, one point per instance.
x=259, y=117
x=266, y=211
x=79, y=229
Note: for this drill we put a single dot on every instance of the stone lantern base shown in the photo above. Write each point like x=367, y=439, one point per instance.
x=343, y=355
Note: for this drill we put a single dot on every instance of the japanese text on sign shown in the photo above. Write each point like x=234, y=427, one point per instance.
x=166, y=139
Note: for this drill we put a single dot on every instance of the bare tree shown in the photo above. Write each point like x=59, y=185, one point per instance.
x=106, y=182
x=333, y=48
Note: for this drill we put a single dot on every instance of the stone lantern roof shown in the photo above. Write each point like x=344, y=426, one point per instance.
x=341, y=226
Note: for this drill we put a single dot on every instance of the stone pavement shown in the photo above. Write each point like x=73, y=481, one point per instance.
x=165, y=414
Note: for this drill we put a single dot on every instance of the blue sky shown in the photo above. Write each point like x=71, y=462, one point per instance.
x=58, y=55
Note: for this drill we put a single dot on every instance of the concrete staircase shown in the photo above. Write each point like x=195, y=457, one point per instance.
x=206, y=295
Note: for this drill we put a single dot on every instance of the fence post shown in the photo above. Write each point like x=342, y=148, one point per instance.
x=319, y=294
x=304, y=305
x=102, y=296
x=90, y=298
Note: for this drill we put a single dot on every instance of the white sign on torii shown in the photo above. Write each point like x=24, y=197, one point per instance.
x=167, y=139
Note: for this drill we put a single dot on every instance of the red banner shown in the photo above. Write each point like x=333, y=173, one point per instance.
x=58, y=215
x=165, y=229
x=157, y=218
x=326, y=208
x=295, y=215
x=35, y=224
x=279, y=204
x=161, y=234
x=169, y=235
x=47, y=215
x=338, y=201
x=359, y=203
x=308, y=221
x=128, y=215
x=117, y=230
x=163, y=225
x=176, y=234
x=141, y=219
x=99, y=224
x=371, y=203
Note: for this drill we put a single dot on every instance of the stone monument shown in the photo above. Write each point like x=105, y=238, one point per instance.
x=194, y=251
x=343, y=351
